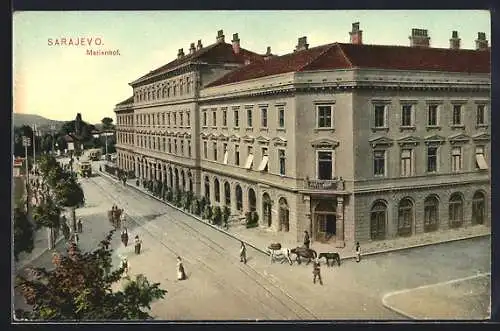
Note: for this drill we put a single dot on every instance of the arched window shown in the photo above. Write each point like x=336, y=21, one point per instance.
x=478, y=207
x=170, y=178
x=176, y=180
x=227, y=194
x=378, y=217
x=456, y=208
x=431, y=213
x=405, y=217
x=207, y=188
x=284, y=215
x=239, y=198
x=190, y=181
x=217, y=190
x=252, y=200
x=183, y=178
x=266, y=210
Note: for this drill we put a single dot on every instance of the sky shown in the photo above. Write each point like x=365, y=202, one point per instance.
x=57, y=81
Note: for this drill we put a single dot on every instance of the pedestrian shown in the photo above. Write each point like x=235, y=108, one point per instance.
x=307, y=241
x=358, y=252
x=181, y=274
x=122, y=218
x=317, y=272
x=137, y=244
x=124, y=237
x=66, y=231
x=125, y=265
x=79, y=225
x=243, y=253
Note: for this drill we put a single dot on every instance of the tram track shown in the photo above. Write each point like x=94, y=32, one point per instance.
x=300, y=313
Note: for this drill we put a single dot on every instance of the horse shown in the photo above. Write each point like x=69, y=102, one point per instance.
x=282, y=253
x=308, y=253
x=330, y=256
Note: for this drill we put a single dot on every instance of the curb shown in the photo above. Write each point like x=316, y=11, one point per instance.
x=199, y=219
x=349, y=257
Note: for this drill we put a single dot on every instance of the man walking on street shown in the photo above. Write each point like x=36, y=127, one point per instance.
x=79, y=225
x=358, y=252
x=317, y=272
x=243, y=253
x=307, y=241
x=181, y=274
x=137, y=244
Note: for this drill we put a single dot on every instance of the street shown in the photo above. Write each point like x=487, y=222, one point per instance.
x=220, y=287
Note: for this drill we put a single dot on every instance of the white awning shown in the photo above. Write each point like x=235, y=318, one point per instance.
x=225, y=157
x=248, y=163
x=481, y=162
x=263, y=163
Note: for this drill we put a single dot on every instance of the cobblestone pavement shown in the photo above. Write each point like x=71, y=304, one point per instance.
x=456, y=299
x=219, y=287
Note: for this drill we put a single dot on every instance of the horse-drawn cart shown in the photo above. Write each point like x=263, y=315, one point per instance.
x=277, y=252
x=114, y=217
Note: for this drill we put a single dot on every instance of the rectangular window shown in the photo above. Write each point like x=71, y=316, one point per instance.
x=175, y=119
x=237, y=155
x=205, y=149
x=168, y=118
x=182, y=147
x=164, y=144
x=181, y=119
x=263, y=166
x=214, y=146
x=226, y=155
x=432, y=115
x=432, y=159
x=188, y=118
x=169, y=145
x=282, y=160
x=325, y=165
x=214, y=118
x=249, y=118
x=480, y=158
x=379, y=163
x=324, y=116
x=263, y=117
x=189, y=148
x=457, y=114
x=224, y=118
x=281, y=117
x=236, y=119
x=480, y=118
x=406, y=163
x=380, y=116
x=407, y=115
x=456, y=159
x=249, y=161
x=163, y=119
x=204, y=118
x=175, y=146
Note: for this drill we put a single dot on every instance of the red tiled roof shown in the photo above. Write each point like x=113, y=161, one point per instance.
x=215, y=53
x=347, y=56
x=126, y=101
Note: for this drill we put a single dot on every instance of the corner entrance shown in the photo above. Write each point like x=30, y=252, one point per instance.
x=325, y=221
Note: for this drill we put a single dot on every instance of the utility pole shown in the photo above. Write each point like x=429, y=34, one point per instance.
x=106, y=138
x=34, y=146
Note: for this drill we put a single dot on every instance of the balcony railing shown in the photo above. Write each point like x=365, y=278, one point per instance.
x=325, y=184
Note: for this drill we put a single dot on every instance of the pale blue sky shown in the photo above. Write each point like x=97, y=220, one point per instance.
x=57, y=82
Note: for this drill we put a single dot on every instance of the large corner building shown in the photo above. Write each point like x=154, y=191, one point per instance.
x=350, y=141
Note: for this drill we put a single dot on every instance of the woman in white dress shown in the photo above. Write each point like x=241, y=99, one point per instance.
x=181, y=274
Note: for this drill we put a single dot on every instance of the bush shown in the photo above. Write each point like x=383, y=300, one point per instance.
x=226, y=212
x=170, y=195
x=207, y=212
x=217, y=215
x=137, y=182
x=194, y=207
x=252, y=219
x=179, y=196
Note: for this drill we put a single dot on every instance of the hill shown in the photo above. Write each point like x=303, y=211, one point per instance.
x=30, y=119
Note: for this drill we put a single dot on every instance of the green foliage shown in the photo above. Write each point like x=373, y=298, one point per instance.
x=69, y=193
x=107, y=123
x=252, y=219
x=217, y=215
x=80, y=288
x=23, y=233
x=170, y=195
x=207, y=212
x=179, y=195
x=226, y=212
x=47, y=213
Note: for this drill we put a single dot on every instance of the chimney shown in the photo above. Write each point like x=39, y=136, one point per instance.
x=268, y=54
x=192, y=49
x=236, y=43
x=356, y=34
x=454, y=41
x=220, y=36
x=199, y=45
x=419, y=38
x=481, y=42
x=180, y=54
x=302, y=44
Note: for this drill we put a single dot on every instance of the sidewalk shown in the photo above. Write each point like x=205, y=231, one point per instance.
x=260, y=238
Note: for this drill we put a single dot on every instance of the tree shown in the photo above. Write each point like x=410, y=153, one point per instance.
x=46, y=143
x=47, y=214
x=23, y=233
x=107, y=123
x=80, y=288
x=69, y=193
